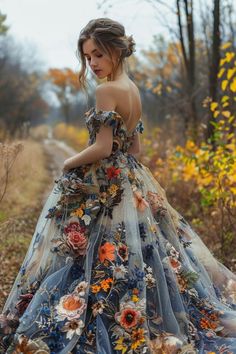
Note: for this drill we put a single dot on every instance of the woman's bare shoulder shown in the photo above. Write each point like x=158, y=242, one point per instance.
x=107, y=88
x=105, y=98
x=109, y=85
x=120, y=93
x=117, y=87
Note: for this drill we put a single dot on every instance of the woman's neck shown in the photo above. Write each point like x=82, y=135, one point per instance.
x=119, y=75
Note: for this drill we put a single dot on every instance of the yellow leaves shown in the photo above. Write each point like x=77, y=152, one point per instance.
x=232, y=178
x=223, y=108
x=226, y=114
x=229, y=56
x=231, y=119
x=226, y=45
x=221, y=72
x=233, y=85
x=233, y=190
x=213, y=106
x=230, y=136
x=226, y=104
x=229, y=81
x=230, y=146
x=204, y=179
x=159, y=162
x=230, y=73
x=216, y=113
x=172, y=54
x=224, y=99
x=189, y=171
x=190, y=145
x=76, y=137
x=211, y=171
x=224, y=84
x=179, y=148
x=222, y=61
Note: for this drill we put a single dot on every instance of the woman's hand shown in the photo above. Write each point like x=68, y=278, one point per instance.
x=66, y=166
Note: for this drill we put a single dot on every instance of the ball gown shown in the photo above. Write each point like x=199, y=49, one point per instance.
x=112, y=267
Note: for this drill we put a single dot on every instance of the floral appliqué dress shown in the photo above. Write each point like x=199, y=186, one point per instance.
x=113, y=268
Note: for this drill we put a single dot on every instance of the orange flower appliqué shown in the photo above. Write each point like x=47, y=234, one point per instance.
x=105, y=284
x=137, y=338
x=205, y=323
x=95, y=288
x=70, y=306
x=128, y=318
x=107, y=251
x=71, y=303
x=140, y=203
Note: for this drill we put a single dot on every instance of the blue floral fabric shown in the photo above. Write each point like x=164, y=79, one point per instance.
x=122, y=139
x=113, y=268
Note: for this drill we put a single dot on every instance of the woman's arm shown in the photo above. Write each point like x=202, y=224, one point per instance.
x=102, y=147
x=99, y=150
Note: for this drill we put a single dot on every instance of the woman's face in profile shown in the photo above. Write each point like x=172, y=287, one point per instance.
x=98, y=61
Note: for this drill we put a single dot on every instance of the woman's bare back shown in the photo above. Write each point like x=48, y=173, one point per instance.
x=128, y=101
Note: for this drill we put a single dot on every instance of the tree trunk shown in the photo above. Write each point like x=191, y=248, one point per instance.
x=189, y=60
x=214, y=64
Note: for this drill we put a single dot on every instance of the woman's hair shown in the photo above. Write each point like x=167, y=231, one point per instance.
x=108, y=35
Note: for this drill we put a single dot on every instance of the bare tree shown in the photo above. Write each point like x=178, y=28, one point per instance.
x=214, y=62
x=187, y=41
x=21, y=98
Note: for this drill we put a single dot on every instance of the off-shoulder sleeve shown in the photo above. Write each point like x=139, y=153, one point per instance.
x=107, y=118
x=140, y=127
x=95, y=119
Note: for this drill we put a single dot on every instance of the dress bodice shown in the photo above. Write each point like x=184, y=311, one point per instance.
x=122, y=139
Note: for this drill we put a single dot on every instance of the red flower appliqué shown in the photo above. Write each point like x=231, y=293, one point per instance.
x=113, y=172
x=73, y=226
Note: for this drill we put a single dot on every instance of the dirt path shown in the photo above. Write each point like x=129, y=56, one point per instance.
x=20, y=229
x=57, y=151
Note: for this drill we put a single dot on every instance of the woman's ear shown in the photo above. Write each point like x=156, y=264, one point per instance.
x=116, y=54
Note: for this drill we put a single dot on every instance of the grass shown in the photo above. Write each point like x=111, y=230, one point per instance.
x=20, y=209
x=27, y=180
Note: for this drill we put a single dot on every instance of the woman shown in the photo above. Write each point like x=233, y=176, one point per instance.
x=112, y=267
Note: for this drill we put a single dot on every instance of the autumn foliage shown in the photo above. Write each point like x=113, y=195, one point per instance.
x=66, y=86
x=64, y=78
x=74, y=136
x=207, y=171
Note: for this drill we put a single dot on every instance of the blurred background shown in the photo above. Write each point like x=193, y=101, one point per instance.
x=185, y=68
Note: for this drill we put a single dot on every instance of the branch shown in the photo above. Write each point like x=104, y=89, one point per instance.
x=186, y=61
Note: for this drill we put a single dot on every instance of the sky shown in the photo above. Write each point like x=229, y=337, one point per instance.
x=52, y=26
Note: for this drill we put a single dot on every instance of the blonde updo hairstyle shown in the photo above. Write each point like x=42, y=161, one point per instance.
x=109, y=36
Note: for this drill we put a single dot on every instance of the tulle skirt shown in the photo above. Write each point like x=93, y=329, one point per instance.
x=113, y=268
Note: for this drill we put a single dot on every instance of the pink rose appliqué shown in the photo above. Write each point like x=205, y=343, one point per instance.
x=77, y=241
